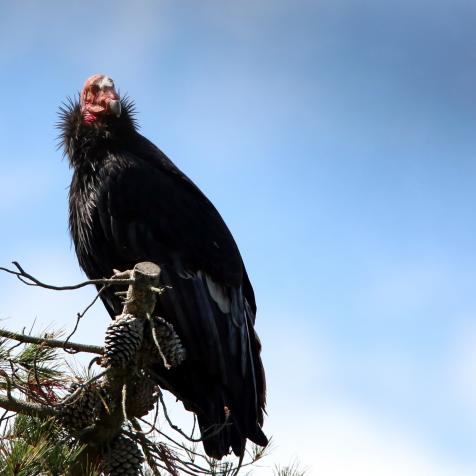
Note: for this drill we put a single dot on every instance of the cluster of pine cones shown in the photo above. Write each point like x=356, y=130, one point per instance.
x=82, y=410
x=155, y=340
x=127, y=334
x=123, y=340
x=124, y=458
x=167, y=340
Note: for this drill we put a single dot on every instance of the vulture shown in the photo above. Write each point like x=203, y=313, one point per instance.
x=129, y=203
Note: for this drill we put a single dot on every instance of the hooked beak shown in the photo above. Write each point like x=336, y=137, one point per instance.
x=115, y=107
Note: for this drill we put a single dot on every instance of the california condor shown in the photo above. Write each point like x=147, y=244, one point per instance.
x=129, y=203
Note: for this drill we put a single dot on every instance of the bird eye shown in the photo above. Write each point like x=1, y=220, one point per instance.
x=94, y=88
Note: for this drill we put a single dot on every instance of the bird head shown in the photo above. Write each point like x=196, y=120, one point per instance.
x=99, y=98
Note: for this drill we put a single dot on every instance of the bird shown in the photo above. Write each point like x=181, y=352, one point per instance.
x=129, y=203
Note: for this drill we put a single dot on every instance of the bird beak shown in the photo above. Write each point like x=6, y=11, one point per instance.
x=115, y=107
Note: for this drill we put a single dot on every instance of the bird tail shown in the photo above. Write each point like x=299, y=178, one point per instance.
x=221, y=429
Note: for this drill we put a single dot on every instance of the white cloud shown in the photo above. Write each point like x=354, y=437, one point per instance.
x=462, y=366
x=405, y=288
x=334, y=438
x=312, y=423
x=328, y=435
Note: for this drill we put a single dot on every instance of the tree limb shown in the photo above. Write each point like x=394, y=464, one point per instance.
x=105, y=408
x=29, y=280
x=26, y=408
x=57, y=343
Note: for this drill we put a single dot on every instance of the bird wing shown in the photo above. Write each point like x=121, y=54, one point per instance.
x=149, y=212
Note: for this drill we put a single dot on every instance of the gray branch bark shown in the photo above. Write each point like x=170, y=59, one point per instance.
x=56, y=343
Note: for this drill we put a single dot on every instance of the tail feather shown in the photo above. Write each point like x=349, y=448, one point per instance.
x=223, y=373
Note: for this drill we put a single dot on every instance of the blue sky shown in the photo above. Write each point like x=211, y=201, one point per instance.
x=337, y=140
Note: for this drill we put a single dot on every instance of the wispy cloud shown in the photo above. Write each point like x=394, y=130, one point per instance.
x=335, y=438
x=462, y=366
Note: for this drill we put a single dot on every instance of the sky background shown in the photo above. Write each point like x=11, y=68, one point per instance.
x=337, y=139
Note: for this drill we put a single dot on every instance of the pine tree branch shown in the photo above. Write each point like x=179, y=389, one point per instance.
x=10, y=403
x=26, y=408
x=30, y=280
x=57, y=343
x=104, y=409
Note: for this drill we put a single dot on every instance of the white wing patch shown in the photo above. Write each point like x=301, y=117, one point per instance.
x=219, y=294
x=187, y=274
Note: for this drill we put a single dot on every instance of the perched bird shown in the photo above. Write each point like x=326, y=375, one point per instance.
x=129, y=203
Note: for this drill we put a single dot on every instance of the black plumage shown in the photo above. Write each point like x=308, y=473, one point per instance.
x=129, y=203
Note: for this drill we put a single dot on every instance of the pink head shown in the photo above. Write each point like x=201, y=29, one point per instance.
x=99, y=98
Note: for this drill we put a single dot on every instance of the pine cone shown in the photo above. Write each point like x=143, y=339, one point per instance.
x=124, y=458
x=83, y=410
x=141, y=396
x=169, y=342
x=122, y=341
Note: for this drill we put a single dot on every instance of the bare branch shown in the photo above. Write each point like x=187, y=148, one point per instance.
x=156, y=341
x=208, y=433
x=57, y=343
x=100, y=411
x=26, y=408
x=12, y=404
x=81, y=387
x=29, y=280
x=79, y=316
x=145, y=448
